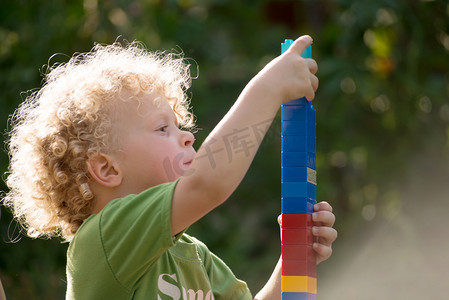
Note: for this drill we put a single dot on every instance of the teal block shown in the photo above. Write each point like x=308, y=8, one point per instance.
x=286, y=44
x=307, y=53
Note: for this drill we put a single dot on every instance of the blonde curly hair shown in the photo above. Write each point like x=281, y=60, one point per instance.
x=56, y=129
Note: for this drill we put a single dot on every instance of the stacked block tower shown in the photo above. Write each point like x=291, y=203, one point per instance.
x=298, y=192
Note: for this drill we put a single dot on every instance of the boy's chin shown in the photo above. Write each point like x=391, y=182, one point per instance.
x=186, y=171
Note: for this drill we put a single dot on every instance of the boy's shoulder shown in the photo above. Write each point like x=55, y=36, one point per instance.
x=147, y=201
x=151, y=207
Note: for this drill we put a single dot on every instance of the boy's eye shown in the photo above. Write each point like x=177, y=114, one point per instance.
x=163, y=129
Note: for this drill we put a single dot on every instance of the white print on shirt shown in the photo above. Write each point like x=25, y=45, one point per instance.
x=169, y=289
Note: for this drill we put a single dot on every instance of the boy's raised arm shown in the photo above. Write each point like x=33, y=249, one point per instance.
x=218, y=169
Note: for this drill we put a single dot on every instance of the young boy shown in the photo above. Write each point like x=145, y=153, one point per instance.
x=98, y=157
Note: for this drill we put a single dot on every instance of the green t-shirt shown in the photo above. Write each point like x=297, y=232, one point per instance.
x=127, y=252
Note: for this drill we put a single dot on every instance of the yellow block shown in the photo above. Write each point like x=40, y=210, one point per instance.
x=298, y=284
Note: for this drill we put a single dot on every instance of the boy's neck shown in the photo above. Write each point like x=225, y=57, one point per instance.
x=103, y=196
x=99, y=204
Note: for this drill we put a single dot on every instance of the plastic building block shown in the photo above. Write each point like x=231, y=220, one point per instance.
x=298, y=174
x=303, y=116
x=298, y=296
x=294, y=127
x=298, y=284
x=285, y=45
x=292, y=174
x=300, y=205
x=297, y=252
x=293, y=236
x=298, y=189
x=296, y=102
x=296, y=221
x=298, y=143
x=307, y=53
x=288, y=42
x=298, y=159
x=299, y=267
x=297, y=112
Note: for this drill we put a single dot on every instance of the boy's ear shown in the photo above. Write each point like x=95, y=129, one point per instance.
x=104, y=170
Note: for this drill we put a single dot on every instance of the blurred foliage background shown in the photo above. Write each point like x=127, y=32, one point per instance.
x=382, y=124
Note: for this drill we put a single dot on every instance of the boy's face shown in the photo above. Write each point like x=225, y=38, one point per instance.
x=153, y=150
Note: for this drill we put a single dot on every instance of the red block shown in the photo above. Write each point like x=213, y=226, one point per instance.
x=302, y=236
x=298, y=257
x=296, y=221
x=297, y=252
x=299, y=267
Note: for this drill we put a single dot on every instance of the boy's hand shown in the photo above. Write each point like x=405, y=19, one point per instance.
x=325, y=235
x=290, y=76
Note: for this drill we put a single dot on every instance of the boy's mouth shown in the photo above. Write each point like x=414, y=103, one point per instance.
x=189, y=160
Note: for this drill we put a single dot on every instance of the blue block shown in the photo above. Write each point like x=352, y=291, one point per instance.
x=311, y=143
x=298, y=189
x=300, y=102
x=294, y=128
x=311, y=123
x=298, y=174
x=298, y=159
x=293, y=112
x=297, y=296
x=311, y=115
x=299, y=205
x=294, y=174
x=301, y=113
x=298, y=143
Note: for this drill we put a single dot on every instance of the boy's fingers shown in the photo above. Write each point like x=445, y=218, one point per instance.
x=310, y=94
x=301, y=43
x=313, y=66
x=324, y=252
x=323, y=205
x=315, y=82
x=326, y=218
x=326, y=235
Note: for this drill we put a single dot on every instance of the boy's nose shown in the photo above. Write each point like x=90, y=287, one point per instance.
x=187, y=138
